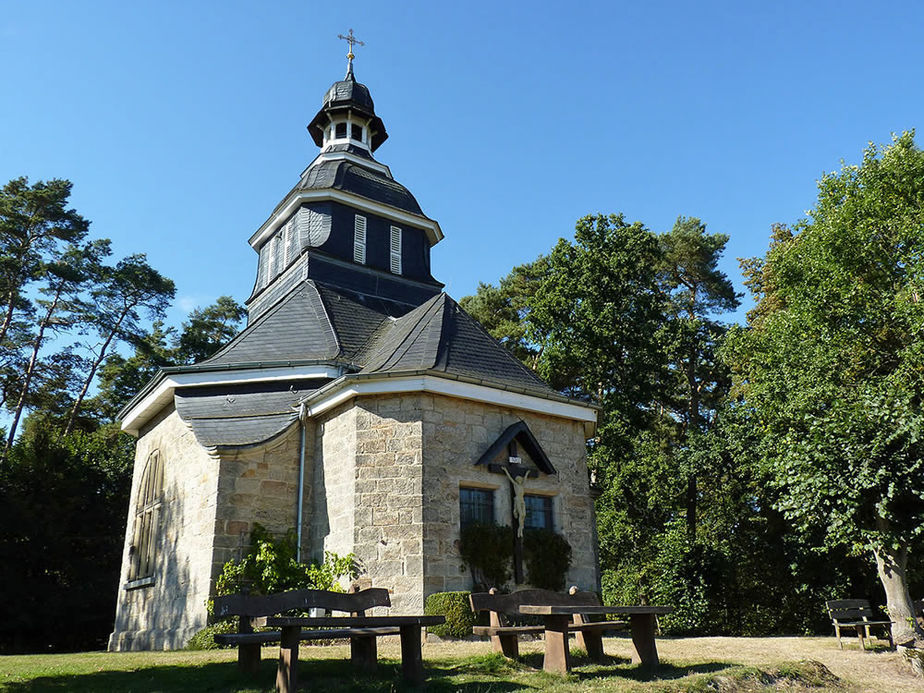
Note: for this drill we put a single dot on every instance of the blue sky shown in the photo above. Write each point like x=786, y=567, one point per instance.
x=182, y=124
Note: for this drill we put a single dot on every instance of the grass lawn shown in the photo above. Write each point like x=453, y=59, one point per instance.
x=688, y=664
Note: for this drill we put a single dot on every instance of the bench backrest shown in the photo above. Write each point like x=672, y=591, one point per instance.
x=252, y=605
x=850, y=610
x=509, y=604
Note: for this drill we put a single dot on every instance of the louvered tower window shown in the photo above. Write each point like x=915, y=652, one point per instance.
x=278, y=254
x=395, y=264
x=263, y=269
x=143, y=550
x=359, y=239
x=291, y=240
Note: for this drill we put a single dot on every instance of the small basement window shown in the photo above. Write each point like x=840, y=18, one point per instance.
x=476, y=506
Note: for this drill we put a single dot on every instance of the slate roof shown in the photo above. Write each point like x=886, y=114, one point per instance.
x=351, y=177
x=363, y=334
x=242, y=414
x=348, y=95
x=440, y=337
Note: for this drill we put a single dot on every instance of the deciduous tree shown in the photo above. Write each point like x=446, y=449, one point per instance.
x=832, y=364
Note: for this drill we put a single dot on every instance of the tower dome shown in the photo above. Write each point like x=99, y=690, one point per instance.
x=347, y=116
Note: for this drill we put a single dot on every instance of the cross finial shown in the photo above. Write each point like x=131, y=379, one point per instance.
x=350, y=39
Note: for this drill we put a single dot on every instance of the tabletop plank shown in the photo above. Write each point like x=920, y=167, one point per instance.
x=346, y=621
x=552, y=609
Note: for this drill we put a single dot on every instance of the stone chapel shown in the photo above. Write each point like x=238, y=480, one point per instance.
x=361, y=406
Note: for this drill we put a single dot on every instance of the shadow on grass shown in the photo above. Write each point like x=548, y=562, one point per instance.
x=331, y=676
x=469, y=675
x=585, y=669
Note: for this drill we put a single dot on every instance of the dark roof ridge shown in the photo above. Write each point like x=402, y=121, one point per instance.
x=428, y=310
x=326, y=311
x=407, y=324
x=506, y=354
x=296, y=293
x=273, y=309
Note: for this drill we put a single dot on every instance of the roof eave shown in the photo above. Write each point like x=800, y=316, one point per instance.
x=298, y=197
x=428, y=380
x=158, y=392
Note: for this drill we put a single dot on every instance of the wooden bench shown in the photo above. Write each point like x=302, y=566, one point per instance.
x=505, y=638
x=856, y=614
x=255, y=611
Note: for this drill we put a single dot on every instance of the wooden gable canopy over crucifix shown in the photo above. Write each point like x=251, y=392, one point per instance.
x=513, y=438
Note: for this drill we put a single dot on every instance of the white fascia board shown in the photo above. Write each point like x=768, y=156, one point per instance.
x=160, y=396
x=349, y=388
x=432, y=228
x=352, y=158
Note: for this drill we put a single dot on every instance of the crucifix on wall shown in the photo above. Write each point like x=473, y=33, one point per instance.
x=503, y=457
x=517, y=474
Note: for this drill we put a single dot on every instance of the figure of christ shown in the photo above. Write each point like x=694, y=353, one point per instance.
x=519, y=501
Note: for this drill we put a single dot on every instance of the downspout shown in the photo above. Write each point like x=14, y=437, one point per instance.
x=302, y=416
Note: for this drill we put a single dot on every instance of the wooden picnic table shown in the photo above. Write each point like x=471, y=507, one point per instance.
x=557, y=617
x=361, y=630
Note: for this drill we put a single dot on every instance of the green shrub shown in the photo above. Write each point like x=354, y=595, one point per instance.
x=488, y=552
x=457, y=610
x=270, y=566
x=546, y=558
x=204, y=639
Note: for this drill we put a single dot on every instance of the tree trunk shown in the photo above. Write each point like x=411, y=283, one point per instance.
x=89, y=379
x=30, y=369
x=693, y=423
x=892, y=566
x=8, y=314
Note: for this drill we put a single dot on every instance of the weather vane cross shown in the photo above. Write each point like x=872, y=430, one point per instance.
x=349, y=38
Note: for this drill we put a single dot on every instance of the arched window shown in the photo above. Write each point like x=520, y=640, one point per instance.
x=147, y=512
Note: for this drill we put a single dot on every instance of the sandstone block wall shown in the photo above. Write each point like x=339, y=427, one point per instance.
x=455, y=434
x=389, y=497
x=332, y=483
x=165, y=614
x=258, y=485
x=386, y=479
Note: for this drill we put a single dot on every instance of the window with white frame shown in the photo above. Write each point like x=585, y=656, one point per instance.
x=143, y=550
x=395, y=265
x=359, y=239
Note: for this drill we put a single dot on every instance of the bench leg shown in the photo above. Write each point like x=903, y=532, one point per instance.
x=837, y=632
x=248, y=658
x=557, y=659
x=411, y=658
x=506, y=644
x=643, y=637
x=287, y=673
x=591, y=642
x=859, y=630
x=363, y=653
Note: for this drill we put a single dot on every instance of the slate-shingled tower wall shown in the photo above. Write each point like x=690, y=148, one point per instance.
x=355, y=374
